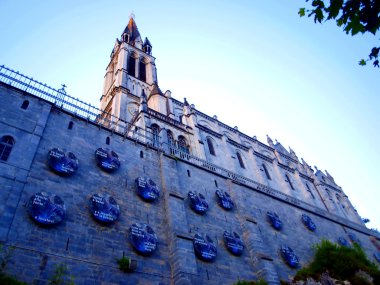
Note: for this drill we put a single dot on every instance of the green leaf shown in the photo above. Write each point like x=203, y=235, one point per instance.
x=362, y=62
x=301, y=12
x=335, y=7
x=318, y=15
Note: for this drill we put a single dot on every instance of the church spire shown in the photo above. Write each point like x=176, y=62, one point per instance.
x=131, y=33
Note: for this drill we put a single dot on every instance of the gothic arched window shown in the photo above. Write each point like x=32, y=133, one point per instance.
x=182, y=144
x=309, y=190
x=289, y=181
x=25, y=105
x=210, y=146
x=155, y=131
x=6, y=145
x=131, y=65
x=266, y=171
x=170, y=138
x=142, y=70
x=240, y=159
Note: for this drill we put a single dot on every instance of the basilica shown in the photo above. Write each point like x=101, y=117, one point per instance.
x=146, y=189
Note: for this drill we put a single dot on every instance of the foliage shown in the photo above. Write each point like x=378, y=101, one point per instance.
x=354, y=16
x=9, y=280
x=341, y=262
x=5, y=256
x=60, y=276
x=259, y=282
x=365, y=220
x=126, y=264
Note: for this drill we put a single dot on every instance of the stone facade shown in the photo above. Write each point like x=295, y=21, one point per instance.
x=181, y=150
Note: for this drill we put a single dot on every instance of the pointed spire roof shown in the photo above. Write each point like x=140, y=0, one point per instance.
x=131, y=30
x=147, y=42
x=156, y=90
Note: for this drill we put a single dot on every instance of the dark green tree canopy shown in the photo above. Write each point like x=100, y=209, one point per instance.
x=354, y=16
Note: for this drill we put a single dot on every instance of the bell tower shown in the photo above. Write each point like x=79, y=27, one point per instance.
x=130, y=73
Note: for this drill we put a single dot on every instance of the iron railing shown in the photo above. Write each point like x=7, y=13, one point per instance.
x=78, y=108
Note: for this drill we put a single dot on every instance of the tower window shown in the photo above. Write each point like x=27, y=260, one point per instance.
x=289, y=181
x=131, y=66
x=25, y=105
x=6, y=145
x=155, y=132
x=216, y=183
x=188, y=173
x=142, y=70
x=71, y=124
x=210, y=146
x=240, y=159
x=141, y=154
x=108, y=140
x=266, y=171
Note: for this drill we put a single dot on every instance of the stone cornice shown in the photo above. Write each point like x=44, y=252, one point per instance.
x=287, y=168
x=238, y=145
x=306, y=177
x=263, y=156
x=207, y=130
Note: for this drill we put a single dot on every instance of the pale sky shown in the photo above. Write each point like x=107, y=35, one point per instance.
x=255, y=64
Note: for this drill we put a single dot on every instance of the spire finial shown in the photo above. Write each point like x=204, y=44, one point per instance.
x=132, y=15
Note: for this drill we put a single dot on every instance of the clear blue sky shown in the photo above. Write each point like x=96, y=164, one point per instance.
x=254, y=64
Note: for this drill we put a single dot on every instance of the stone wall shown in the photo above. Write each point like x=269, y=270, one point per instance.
x=90, y=249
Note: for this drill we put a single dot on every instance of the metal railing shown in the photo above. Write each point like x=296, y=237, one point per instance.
x=78, y=108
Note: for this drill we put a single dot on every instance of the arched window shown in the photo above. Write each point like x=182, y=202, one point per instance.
x=71, y=124
x=182, y=144
x=141, y=154
x=108, y=140
x=170, y=138
x=142, y=70
x=6, y=145
x=210, y=146
x=25, y=105
x=309, y=190
x=131, y=66
x=241, y=162
x=289, y=181
x=266, y=171
x=155, y=136
x=329, y=194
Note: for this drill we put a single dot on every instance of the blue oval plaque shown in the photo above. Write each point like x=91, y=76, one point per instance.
x=342, y=241
x=106, y=159
x=289, y=256
x=147, y=189
x=198, y=202
x=224, y=200
x=308, y=222
x=61, y=163
x=204, y=247
x=233, y=242
x=274, y=220
x=46, y=208
x=104, y=208
x=143, y=238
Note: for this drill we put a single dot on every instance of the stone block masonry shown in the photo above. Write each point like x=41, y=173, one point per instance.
x=90, y=249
